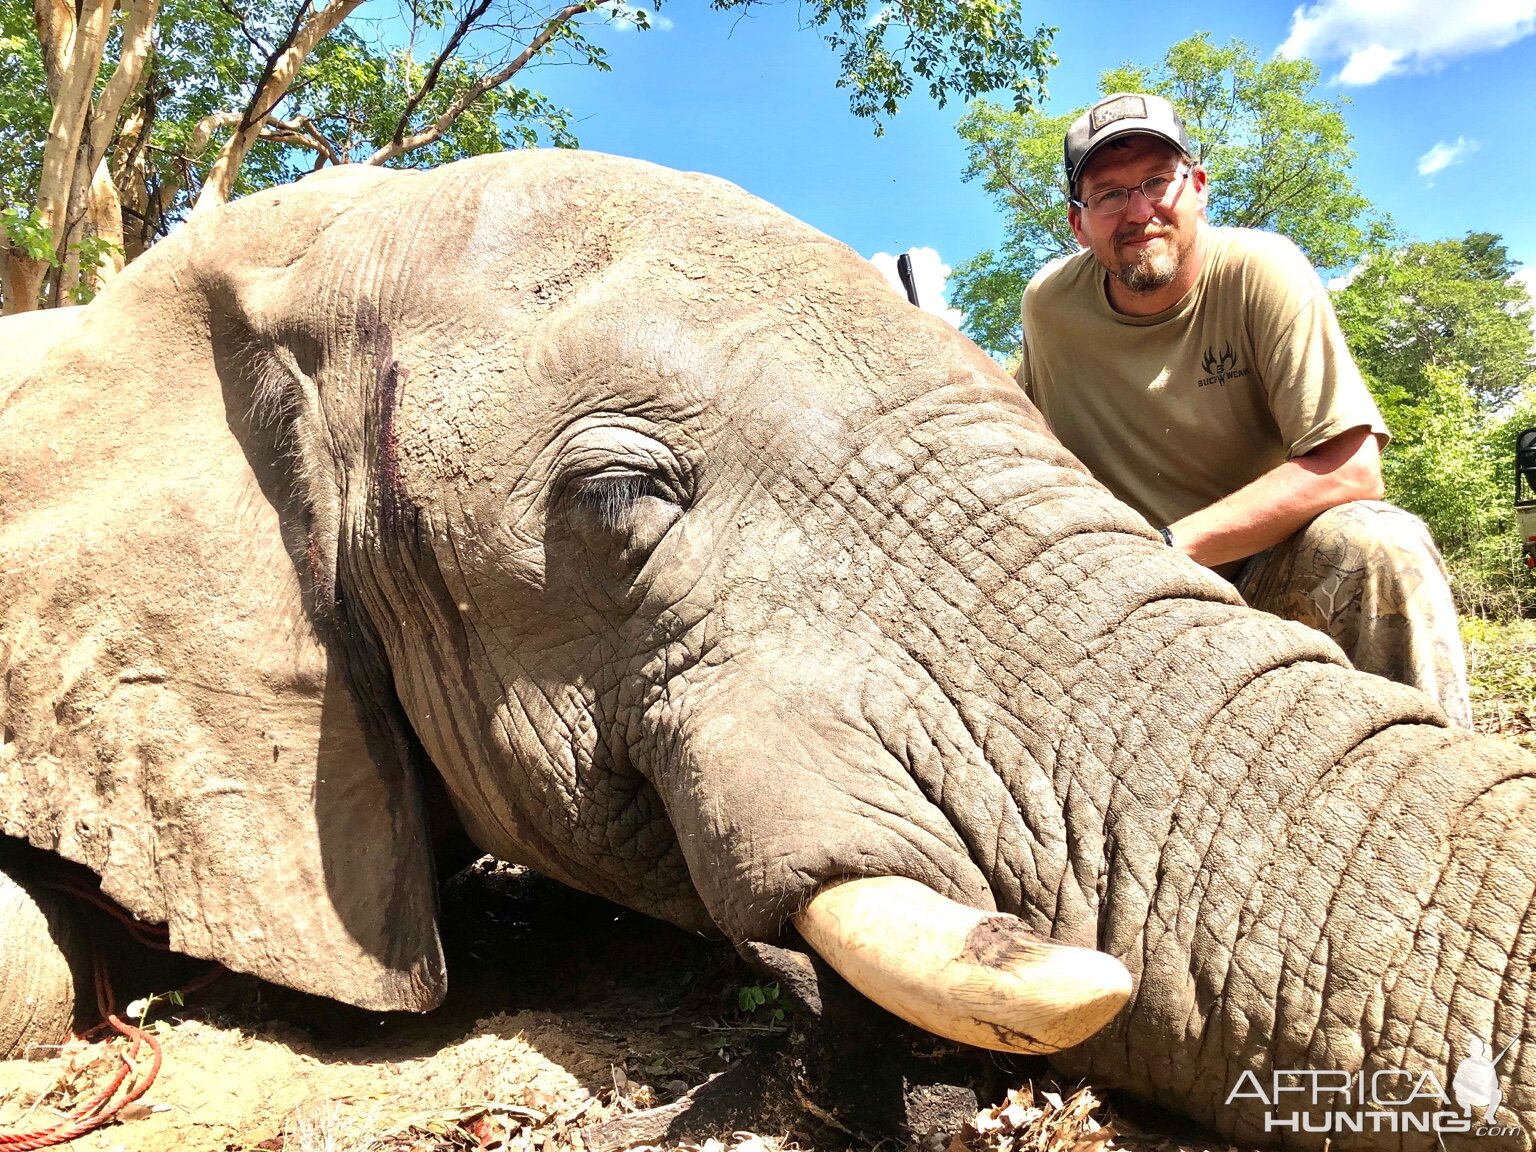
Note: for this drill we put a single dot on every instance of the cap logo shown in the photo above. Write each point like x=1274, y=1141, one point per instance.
x=1120, y=108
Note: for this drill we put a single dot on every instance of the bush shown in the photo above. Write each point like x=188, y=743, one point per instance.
x=1442, y=332
x=1452, y=465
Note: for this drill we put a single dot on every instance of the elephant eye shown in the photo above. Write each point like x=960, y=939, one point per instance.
x=620, y=516
x=616, y=491
x=607, y=499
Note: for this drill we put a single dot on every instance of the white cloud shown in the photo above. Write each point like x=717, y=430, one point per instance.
x=1443, y=155
x=1346, y=278
x=627, y=17
x=930, y=273
x=1369, y=65
x=1377, y=39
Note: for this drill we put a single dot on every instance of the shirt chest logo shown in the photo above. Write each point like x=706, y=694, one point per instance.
x=1220, y=367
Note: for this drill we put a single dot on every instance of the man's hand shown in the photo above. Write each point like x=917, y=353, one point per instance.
x=1272, y=507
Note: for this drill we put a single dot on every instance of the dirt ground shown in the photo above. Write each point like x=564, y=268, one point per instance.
x=570, y=1024
x=562, y=1011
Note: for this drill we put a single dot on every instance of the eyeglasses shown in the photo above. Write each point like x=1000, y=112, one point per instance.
x=1115, y=200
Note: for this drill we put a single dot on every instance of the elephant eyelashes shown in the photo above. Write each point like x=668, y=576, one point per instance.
x=607, y=500
x=622, y=515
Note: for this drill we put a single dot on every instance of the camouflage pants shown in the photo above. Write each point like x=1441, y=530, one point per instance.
x=1368, y=575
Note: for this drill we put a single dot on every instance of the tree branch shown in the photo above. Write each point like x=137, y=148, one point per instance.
x=1062, y=239
x=56, y=22
x=78, y=55
x=1271, y=198
x=399, y=146
x=277, y=78
x=137, y=37
x=203, y=131
x=472, y=13
x=251, y=117
x=302, y=133
x=245, y=29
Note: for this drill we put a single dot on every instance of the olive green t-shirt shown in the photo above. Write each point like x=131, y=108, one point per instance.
x=1174, y=411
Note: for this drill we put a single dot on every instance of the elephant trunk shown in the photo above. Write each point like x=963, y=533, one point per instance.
x=1299, y=864
x=1037, y=707
x=1323, y=892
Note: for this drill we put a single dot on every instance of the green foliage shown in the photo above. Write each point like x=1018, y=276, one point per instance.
x=24, y=231
x=752, y=998
x=1501, y=665
x=93, y=252
x=1443, y=337
x=206, y=61
x=1278, y=157
x=1451, y=305
x=1017, y=156
x=1445, y=464
x=24, y=107
x=962, y=49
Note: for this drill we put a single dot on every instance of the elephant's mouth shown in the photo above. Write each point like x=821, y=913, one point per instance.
x=898, y=899
x=980, y=978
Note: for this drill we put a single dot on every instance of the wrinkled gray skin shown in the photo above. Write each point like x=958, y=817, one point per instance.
x=705, y=571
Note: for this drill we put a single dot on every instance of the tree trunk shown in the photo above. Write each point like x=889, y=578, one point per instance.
x=23, y=281
x=130, y=178
x=220, y=183
x=73, y=43
x=100, y=217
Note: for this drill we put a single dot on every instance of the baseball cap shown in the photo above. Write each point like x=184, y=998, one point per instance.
x=1122, y=114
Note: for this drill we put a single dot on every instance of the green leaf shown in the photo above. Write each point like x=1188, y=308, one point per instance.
x=957, y=50
x=28, y=234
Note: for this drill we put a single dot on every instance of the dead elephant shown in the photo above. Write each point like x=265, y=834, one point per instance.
x=705, y=574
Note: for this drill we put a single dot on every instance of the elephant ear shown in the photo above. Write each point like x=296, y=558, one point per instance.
x=177, y=708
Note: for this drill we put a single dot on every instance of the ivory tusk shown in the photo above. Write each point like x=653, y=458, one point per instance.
x=980, y=978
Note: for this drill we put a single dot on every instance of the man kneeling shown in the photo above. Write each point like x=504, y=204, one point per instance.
x=1201, y=375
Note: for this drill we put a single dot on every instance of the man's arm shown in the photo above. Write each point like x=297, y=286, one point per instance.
x=1267, y=510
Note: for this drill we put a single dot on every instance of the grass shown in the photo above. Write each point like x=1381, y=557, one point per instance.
x=1501, y=661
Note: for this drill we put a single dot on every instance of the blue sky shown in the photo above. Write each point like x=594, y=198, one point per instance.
x=1441, y=95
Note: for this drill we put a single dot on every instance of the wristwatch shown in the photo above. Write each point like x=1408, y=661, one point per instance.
x=1167, y=536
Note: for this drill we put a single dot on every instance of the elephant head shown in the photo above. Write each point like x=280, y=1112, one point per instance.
x=704, y=574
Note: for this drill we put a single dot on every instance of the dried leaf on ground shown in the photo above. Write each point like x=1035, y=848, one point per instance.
x=1030, y=1121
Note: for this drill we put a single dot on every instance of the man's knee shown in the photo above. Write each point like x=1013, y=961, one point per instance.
x=1404, y=624
x=1376, y=536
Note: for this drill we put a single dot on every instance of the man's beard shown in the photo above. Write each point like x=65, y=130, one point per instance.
x=1153, y=269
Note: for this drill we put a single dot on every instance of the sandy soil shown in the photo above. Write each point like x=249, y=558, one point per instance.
x=569, y=1023
x=564, y=1011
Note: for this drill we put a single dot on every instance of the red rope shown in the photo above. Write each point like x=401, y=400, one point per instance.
x=105, y=1106
x=151, y=935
